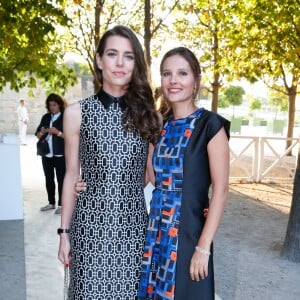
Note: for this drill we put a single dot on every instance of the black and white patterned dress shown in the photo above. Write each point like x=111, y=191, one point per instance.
x=109, y=221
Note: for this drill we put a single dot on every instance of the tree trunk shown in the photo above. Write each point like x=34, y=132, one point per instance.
x=291, y=246
x=216, y=83
x=215, y=92
x=147, y=32
x=98, y=10
x=292, y=109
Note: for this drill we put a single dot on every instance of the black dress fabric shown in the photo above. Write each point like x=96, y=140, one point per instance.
x=195, y=199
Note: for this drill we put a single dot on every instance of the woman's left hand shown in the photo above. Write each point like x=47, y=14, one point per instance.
x=199, y=266
x=53, y=130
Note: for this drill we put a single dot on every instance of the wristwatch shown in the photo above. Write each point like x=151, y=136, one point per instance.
x=63, y=230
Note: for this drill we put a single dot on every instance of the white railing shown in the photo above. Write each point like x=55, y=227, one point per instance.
x=257, y=158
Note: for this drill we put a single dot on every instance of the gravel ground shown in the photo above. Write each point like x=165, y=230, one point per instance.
x=248, y=264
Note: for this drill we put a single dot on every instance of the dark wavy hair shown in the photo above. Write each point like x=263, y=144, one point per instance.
x=57, y=99
x=140, y=113
x=161, y=104
x=190, y=57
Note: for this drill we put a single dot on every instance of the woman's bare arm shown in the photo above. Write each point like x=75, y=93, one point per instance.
x=72, y=121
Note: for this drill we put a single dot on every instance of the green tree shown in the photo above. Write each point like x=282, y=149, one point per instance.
x=267, y=39
x=223, y=102
x=205, y=27
x=90, y=19
x=83, y=34
x=30, y=51
x=279, y=101
x=156, y=14
x=254, y=104
x=234, y=96
x=81, y=68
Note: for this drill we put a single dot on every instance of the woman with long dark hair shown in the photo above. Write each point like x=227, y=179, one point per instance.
x=107, y=137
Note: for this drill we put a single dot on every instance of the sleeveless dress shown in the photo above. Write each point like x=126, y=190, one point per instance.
x=178, y=209
x=110, y=218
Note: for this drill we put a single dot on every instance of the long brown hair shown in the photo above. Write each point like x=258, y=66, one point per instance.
x=140, y=113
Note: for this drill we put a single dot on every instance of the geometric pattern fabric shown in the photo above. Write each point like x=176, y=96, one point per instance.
x=160, y=254
x=110, y=217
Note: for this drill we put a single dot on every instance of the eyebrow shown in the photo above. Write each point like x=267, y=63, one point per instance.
x=115, y=50
x=180, y=69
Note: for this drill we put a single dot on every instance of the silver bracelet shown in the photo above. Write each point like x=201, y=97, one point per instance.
x=202, y=251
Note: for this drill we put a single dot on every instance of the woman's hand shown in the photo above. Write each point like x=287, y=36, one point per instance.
x=64, y=254
x=199, y=266
x=53, y=130
x=80, y=186
x=42, y=132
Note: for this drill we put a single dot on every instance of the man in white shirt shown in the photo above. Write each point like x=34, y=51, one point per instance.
x=23, y=121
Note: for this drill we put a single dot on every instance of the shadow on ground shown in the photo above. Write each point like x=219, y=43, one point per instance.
x=247, y=249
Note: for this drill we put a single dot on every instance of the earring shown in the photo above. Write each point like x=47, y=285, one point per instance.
x=194, y=91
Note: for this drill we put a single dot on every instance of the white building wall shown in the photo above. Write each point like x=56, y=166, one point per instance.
x=9, y=101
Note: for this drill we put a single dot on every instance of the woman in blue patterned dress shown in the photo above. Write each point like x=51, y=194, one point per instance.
x=191, y=155
x=106, y=137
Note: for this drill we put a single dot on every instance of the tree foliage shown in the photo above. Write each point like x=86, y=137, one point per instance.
x=156, y=13
x=233, y=95
x=278, y=101
x=90, y=19
x=222, y=101
x=205, y=27
x=30, y=51
x=254, y=104
x=267, y=39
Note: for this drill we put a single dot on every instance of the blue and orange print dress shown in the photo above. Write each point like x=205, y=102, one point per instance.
x=178, y=209
x=160, y=254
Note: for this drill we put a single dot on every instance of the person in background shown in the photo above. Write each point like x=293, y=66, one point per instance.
x=23, y=119
x=51, y=128
x=191, y=156
x=107, y=137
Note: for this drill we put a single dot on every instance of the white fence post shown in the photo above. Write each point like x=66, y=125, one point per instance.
x=265, y=157
x=255, y=160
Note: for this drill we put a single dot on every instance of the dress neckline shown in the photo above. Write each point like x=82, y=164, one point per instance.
x=107, y=99
x=182, y=121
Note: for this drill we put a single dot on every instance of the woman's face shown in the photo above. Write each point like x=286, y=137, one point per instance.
x=116, y=63
x=53, y=107
x=177, y=80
